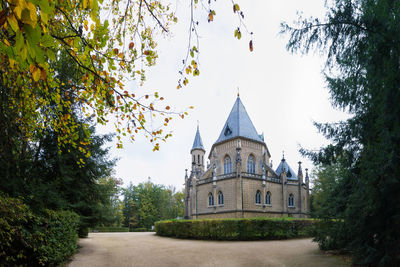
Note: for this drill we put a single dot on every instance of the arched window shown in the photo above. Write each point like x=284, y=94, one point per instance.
x=251, y=164
x=220, y=198
x=227, y=165
x=258, y=197
x=291, y=200
x=198, y=159
x=210, y=199
x=194, y=159
x=268, y=198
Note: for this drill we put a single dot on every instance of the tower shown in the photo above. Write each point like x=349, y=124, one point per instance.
x=197, y=152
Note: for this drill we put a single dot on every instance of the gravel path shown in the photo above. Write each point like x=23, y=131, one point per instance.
x=147, y=249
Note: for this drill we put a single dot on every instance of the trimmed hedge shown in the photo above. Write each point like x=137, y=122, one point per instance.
x=237, y=229
x=110, y=229
x=26, y=238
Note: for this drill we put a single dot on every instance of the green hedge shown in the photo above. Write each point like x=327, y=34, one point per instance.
x=26, y=238
x=110, y=229
x=237, y=229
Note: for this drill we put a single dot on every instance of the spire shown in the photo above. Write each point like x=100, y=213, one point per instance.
x=198, y=143
x=238, y=124
x=284, y=167
x=300, y=171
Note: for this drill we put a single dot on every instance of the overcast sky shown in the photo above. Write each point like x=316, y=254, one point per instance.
x=283, y=93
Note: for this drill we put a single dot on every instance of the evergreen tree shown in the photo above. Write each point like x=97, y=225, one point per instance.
x=45, y=174
x=361, y=39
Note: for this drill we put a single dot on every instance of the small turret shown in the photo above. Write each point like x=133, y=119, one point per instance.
x=307, y=192
x=300, y=173
x=300, y=184
x=197, y=152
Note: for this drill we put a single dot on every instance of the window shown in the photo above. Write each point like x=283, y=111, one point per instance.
x=291, y=200
x=220, y=198
x=198, y=159
x=194, y=159
x=210, y=199
x=227, y=165
x=258, y=197
x=251, y=164
x=268, y=198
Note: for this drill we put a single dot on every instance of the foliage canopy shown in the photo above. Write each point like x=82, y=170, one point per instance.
x=361, y=40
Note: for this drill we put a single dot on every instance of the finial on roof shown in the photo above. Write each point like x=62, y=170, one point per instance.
x=238, y=91
x=283, y=155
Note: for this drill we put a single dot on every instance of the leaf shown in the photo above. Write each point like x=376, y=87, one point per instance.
x=36, y=74
x=47, y=40
x=210, y=16
x=235, y=8
x=32, y=12
x=13, y=23
x=43, y=75
x=18, y=10
x=251, y=45
x=131, y=45
x=19, y=42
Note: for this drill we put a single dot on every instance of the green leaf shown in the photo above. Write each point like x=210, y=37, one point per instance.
x=47, y=40
x=32, y=34
x=19, y=41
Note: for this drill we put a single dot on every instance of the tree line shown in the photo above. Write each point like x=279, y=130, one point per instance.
x=359, y=172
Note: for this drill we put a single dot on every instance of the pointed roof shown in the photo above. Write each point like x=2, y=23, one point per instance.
x=290, y=174
x=198, y=143
x=239, y=124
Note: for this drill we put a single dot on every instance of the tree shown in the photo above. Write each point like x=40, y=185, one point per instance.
x=361, y=39
x=52, y=177
x=147, y=203
x=108, y=53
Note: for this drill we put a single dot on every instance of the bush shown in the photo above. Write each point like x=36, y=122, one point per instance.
x=331, y=235
x=46, y=239
x=237, y=229
x=110, y=229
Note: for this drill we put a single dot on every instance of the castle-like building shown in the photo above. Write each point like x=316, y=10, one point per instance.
x=239, y=180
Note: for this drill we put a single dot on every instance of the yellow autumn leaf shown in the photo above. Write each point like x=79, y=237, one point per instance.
x=36, y=74
x=18, y=10
x=13, y=23
x=44, y=16
x=12, y=62
x=32, y=13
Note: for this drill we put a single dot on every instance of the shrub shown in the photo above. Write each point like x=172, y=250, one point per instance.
x=331, y=235
x=236, y=229
x=46, y=239
x=110, y=229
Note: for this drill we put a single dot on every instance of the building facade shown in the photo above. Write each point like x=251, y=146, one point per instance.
x=239, y=180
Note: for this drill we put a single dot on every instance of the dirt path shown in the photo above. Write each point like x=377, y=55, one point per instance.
x=147, y=249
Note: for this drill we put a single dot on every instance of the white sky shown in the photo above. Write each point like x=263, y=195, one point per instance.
x=283, y=93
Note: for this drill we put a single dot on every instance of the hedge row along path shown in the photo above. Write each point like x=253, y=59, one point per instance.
x=147, y=249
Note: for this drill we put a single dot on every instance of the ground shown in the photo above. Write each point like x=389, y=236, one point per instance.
x=147, y=249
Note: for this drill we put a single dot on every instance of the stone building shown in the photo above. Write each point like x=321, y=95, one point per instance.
x=239, y=180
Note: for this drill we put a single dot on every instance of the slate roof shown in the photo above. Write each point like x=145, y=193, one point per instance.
x=290, y=173
x=198, y=143
x=239, y=124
